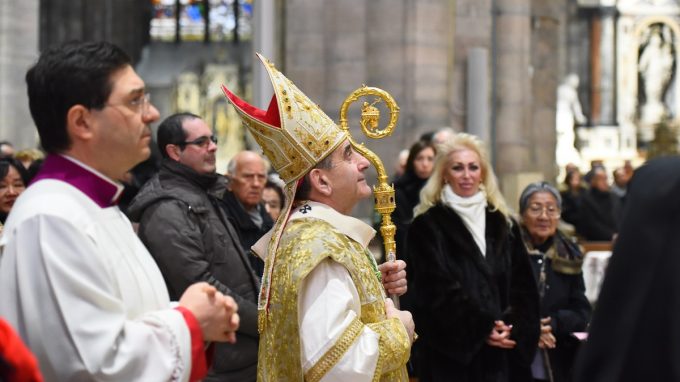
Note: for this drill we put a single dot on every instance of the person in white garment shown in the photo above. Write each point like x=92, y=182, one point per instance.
x=75, y=281
x=322, y=290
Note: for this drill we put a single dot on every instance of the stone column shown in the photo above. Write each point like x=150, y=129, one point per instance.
x=546, y=27
x=19, y=22
x=478, y=94
x=429, y=46
x=304, y=47
x=386, y=68
x=602, y=68
x=512, y=86
x=345, y=56
x=473, y=29
x=607, y=75
x=264, y=25
x=386, y=60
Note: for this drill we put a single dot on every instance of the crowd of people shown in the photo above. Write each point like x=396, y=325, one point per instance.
x=593, y=205
x=261, y=272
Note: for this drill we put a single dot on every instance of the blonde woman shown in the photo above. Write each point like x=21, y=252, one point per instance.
x=478, y=305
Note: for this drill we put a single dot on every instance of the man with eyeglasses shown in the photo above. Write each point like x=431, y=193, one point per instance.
x=190, y=236
x=247, y=174
x=75, y=281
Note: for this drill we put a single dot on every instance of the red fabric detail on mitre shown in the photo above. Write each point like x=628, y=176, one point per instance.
x=271, y=116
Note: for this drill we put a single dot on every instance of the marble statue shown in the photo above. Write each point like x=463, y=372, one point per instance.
x=656, y=70
x=568, y=114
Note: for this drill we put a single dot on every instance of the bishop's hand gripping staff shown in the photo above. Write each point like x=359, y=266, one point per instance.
x=383, y=192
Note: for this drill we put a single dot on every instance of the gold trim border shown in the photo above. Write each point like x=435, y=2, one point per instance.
x=335, y=353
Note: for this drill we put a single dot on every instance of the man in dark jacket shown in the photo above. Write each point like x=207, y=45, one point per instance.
x=599, y=209
x=247, y=173
x=191, y=239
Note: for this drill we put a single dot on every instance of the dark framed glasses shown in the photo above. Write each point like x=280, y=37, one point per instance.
x=203, y=141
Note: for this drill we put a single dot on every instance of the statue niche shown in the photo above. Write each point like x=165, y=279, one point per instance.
x=656, y=67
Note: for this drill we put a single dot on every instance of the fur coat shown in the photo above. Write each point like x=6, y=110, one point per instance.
x=460, y=294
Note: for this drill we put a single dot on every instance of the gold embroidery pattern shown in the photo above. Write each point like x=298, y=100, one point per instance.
x=289, y=150
x=301, y=119
x=393, y=339
x=335, y=353
x=304, y=244
x=378, y=368
x=285, y=102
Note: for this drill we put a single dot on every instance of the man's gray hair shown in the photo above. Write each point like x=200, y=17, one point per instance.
x=538, y=187
x=443, y=134
x=231, y=166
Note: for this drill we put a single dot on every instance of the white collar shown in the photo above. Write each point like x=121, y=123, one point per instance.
x=349, y=226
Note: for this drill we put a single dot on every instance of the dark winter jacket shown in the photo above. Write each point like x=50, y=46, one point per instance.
x=598, y=219
x=633, y=335
x=461, y=293
x=407, y=195
x=571, y=205
x=564, y=298
x=249, y=232
x=189, y=236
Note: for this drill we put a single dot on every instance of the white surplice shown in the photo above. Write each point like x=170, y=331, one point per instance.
x=84, y=293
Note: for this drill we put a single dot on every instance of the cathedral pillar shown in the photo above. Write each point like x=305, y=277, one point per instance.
x=512, y=86
x=264, y=42
x=18, y=51
x=603, y=56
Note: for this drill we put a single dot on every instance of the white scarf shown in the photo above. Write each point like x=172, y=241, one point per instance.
x=472, y=211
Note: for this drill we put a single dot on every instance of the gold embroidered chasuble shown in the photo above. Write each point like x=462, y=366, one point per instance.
x=308, y=239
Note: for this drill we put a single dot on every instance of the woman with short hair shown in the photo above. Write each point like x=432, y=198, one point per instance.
x=556, y=262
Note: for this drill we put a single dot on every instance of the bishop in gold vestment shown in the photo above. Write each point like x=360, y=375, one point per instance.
x=323, y=312
x=328, y=302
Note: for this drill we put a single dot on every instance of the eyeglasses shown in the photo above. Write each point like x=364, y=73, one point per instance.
x=203, y=141
x=536, y=210
x=139, y=105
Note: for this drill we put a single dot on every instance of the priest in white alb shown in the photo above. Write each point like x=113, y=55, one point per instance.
x=75, y=282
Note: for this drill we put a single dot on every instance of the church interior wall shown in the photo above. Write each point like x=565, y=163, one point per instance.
x=18, y=49
x=330, y=48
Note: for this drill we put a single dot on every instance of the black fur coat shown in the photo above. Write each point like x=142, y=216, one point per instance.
x=460, y=294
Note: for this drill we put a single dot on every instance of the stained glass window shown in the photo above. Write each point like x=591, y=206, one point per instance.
x=227, y=19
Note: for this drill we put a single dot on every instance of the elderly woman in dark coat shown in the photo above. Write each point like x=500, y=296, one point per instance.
x=556, y=262
x=477, y=300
